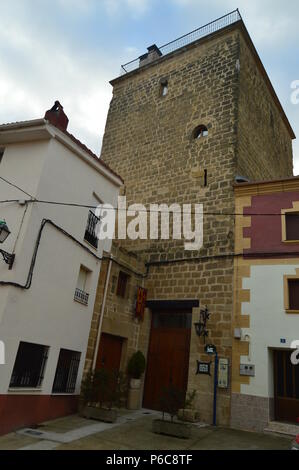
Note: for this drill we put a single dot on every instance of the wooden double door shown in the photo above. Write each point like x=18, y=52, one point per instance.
x=168, y=356
x=286, y=384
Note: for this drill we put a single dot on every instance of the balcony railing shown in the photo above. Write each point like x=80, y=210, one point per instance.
x=199, y=33
x=91, y=231
x=81, y=296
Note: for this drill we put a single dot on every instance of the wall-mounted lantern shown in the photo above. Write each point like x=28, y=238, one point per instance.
x=201, y=325
x=4, y=232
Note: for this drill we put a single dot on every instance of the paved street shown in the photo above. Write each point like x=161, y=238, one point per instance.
x=133, y=432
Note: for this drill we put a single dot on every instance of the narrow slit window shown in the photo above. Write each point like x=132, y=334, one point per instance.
x=164, y=88
x=205, y=183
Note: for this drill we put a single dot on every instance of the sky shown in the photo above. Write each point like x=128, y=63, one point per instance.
x=70, y=49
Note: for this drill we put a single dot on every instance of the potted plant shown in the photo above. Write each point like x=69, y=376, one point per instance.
x=102, y=392
x=136, y=368
x=172, y=399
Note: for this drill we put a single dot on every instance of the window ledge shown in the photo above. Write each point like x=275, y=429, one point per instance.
x=71, y=394
x=24, y=390
x=290, y=241
x=81, y=302
x=95, y=248
x=292, y=311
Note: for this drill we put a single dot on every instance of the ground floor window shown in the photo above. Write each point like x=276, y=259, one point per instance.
x=28, y=371
x=66, y=371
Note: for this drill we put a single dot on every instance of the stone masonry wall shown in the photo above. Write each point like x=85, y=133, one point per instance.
x=264, y=144
x=119, y=313
x=148, y=141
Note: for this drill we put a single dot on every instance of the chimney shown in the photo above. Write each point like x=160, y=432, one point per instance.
x=152, y=54
x=57, y=116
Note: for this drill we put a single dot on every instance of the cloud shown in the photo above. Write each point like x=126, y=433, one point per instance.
x=37, y=68
x=137, y=8
x=70, y=49
x=269, y=21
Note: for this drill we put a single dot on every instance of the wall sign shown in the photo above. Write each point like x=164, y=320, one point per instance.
x=140, y=302
x=223, y=369
x=210, y=349
x=203, y=368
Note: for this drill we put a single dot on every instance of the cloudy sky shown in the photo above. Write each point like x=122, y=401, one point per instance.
x=70, y=49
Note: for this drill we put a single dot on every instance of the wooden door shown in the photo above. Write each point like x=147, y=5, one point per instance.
x=109, y=355
x=168, y=356
x=286, y=377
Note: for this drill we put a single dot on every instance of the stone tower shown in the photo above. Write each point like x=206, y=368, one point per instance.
x=182, y=125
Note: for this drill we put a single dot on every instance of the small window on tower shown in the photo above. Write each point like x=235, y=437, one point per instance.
x=164, y=88
x=200, y=131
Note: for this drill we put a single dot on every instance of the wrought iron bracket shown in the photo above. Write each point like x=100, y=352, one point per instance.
x=8, y=258
x=201, y=325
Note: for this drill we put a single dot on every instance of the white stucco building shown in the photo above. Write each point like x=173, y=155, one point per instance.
x=47, y=298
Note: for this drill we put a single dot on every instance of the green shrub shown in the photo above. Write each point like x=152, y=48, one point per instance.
x=104, y=387
x=136, y=365
x=171, y=401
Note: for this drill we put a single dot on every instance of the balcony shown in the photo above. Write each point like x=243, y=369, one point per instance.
x=91, y=231
x=81, y=296
x=155, y=52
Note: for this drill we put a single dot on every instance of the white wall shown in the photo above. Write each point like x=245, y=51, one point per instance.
x=47, y=313
x=269, y=323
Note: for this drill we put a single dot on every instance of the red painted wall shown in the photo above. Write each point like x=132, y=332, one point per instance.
x=266, y=231
x=18, y=411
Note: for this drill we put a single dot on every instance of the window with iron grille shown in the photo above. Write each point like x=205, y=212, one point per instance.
x=292, y=226
x=66, y=371
x=28, y=371
x=122, y=282
x=91, y=231
x=81, y=294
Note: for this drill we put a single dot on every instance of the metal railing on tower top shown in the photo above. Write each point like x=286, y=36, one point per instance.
x=199, y=33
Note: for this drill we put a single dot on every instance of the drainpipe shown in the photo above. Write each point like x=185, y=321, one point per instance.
x=102, y=315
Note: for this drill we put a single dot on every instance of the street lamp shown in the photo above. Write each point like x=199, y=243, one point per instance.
x=4, y=232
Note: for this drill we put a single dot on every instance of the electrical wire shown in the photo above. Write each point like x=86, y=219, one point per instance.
x=17, y=187
x=116, y=209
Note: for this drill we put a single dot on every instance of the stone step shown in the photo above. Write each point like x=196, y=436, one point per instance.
x=282, y=428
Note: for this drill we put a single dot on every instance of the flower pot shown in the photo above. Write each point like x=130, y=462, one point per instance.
x=172, y=428
x=99, y=414
x=135, y=384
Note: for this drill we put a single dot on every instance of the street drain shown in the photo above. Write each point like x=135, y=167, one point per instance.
x=33, y=433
